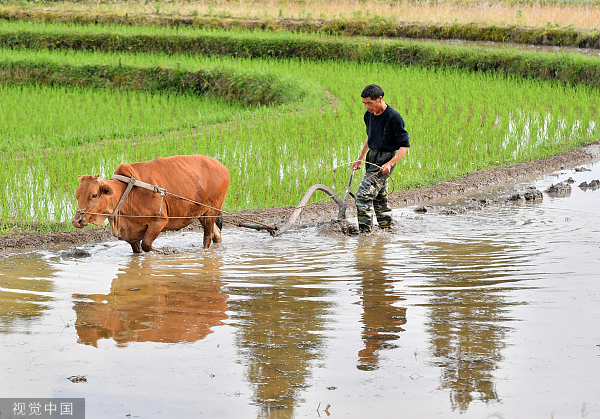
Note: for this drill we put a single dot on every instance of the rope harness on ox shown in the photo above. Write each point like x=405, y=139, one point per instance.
x=82, y=212
x=131, y=182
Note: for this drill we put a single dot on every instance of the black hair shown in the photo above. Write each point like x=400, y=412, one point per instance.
x=372, y=91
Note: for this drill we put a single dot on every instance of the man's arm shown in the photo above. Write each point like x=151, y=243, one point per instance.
x=356, y=165
x=387, y=167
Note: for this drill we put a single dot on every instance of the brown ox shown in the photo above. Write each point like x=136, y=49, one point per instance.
x=197, y=178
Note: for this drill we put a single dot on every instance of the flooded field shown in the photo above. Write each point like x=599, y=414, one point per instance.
x=493, y=313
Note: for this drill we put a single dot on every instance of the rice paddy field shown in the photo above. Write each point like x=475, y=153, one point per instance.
x=487, y=314
x=459, y=122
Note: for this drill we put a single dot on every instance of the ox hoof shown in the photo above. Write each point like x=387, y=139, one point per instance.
x=136, y=247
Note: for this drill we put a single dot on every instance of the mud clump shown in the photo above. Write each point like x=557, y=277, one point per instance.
x=75, y=254
x=593, y=185
x=422, y=209
x=473, y=205
x=165, y=250
x=339, y=227
x=561, y=190
x=529, y=195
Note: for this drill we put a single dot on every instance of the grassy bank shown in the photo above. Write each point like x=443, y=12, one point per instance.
x=357, y=25
x=125, y=39
x=258, y=88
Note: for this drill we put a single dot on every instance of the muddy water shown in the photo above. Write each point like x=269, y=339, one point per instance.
x=493, y=313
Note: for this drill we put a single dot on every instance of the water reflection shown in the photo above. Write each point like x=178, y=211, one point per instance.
x=381, y=319
x=154, y=300
x=280, y=328
x=468, y=311
x=26, y=284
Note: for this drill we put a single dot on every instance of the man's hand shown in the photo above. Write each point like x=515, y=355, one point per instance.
x=386, y=168
x=356, y=165
x=363, y=153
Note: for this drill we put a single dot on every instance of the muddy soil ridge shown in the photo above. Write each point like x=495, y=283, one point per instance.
x=479, y=181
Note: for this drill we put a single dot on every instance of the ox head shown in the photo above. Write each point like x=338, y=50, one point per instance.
x=93, y=201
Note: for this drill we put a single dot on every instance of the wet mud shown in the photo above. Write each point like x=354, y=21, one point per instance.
x=593, y=185
x=531, y=194
x=473, y=205
x=561, y=189
x=323, y=212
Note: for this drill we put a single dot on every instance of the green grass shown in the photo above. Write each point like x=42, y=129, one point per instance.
x=354, y=24
x=459, y=122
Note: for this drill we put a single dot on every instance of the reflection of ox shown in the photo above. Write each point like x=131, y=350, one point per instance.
x=201, y=181
x=179, y=301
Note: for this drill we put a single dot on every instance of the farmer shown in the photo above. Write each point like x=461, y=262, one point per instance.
x=387, y=142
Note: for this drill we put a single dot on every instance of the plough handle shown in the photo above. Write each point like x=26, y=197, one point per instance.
x=349, y=186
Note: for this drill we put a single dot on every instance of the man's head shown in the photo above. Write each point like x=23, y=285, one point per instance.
x=372, y=97
x=372, y=91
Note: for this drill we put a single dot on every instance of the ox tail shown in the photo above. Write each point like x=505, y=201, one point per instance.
x=219, y=221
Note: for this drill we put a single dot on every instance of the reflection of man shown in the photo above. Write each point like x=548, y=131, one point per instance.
x=387, y=142
x=382, y=320
x=467, y=329
x=280, y=333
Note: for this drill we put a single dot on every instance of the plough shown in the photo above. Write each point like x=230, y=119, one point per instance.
x=341, y=203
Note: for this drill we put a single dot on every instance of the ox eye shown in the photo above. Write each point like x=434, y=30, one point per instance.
x=95, y=196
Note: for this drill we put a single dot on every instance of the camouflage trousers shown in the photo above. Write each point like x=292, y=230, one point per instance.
x=372, y=195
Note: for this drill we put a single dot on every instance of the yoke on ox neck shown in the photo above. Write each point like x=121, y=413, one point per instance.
x=139, y=183
x=131, y=182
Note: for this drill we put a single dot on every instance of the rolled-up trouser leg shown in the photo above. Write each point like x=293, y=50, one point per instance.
x=364, y=210
x=382, y=209
x=369, y=193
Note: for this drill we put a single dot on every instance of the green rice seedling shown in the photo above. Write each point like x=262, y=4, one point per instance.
x=38, y=117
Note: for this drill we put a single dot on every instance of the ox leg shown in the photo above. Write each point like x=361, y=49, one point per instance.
x=208, y=225
x=216, y=234
x=151, y=234
x=136, y=247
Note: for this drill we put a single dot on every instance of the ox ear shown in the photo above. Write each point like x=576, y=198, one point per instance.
x=106, y=190
x=81, y=177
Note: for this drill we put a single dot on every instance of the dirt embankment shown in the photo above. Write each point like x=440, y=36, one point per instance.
x=319, y=212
